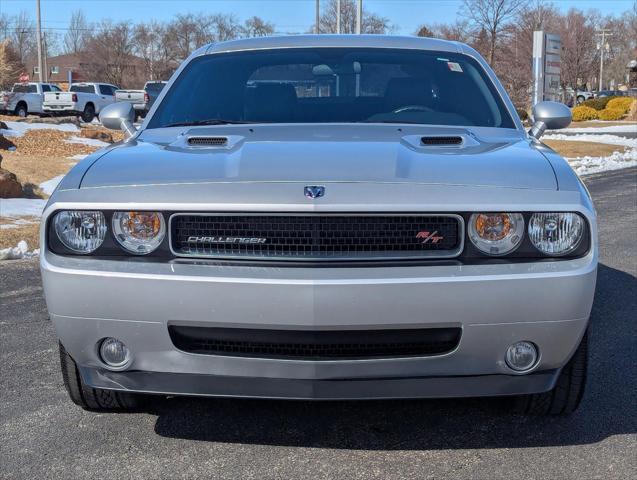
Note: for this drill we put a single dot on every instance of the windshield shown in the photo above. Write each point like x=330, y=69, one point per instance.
x=326, y=85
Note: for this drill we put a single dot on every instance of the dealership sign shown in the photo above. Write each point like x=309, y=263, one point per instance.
x=547, y=66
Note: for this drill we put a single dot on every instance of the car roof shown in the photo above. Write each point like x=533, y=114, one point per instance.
x=312, y=41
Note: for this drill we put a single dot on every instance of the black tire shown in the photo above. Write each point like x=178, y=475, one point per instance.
x=569, y=389
x=580, y=99
x=93, y=398
x=89, y=113
x=21, y=110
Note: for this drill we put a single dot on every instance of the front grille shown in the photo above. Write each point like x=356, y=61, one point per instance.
x=316, y=237
x=314, y=345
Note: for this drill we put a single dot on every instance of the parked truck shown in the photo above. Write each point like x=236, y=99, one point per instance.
x=83, y=99
x=141, y=100
x=26, y=98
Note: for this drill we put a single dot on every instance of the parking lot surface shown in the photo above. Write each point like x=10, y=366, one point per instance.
x=44, y=435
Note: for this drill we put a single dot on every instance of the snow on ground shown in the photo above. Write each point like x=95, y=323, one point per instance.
x=602, y=128
x=17, y=129
x=19, y=251
x=78, y=157
x=50, y=185
x=588, y=165
x=607, y=139
x=21, y=207
x=87, y=141
x=19, y=222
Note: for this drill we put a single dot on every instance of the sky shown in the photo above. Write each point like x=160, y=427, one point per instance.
x=289, y=16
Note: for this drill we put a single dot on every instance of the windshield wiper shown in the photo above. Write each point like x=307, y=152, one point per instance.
x=208, y=121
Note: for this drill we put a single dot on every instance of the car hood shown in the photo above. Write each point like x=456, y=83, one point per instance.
x=325, y=154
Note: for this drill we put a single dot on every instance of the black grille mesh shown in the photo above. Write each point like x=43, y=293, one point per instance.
x=321, y=237
x=314, y=345
x=207, y=141
x=441, y=140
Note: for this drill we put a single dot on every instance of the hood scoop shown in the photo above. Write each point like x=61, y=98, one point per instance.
x=207, y=141
x=439, y=140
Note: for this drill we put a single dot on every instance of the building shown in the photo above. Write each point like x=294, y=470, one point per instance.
x=79, y=68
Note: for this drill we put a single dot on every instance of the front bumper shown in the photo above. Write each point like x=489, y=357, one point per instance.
x=547, y=303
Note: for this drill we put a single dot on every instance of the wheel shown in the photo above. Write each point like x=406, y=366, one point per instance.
x=569, y=389
x=21, y=110
x=89, y=113
x=93, y=398
x=580, y=99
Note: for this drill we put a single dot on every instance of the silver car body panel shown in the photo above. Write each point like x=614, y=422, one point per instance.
x=365, y=169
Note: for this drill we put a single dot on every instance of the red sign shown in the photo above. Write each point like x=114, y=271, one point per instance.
x=23, y=78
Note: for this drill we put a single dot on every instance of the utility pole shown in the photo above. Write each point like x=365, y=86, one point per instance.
x=318, y=17
x=604, y=32
x=39, y=39
x=46, y=56
x=338, y=16
x=359, y=17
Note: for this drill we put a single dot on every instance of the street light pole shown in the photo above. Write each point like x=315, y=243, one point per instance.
x=318, y=17
x=602, y=33
x=39, y=39
x=338, y=16
x=359, y=17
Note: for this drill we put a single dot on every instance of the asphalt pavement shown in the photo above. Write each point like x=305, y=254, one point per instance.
x=43, y=435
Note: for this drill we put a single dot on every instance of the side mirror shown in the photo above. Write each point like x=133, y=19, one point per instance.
x=119, y=116
x=551, y=116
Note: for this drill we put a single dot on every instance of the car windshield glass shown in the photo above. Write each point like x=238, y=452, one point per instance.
x=327, y=85
x=82, y=88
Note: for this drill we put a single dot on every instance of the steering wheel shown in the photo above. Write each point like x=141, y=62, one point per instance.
x=413, y=108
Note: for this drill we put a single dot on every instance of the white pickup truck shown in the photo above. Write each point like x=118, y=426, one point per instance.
x=141, y=100
x=26, y=98
x=83, y=99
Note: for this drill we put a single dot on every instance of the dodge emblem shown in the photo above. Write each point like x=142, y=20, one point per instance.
x=314, y=191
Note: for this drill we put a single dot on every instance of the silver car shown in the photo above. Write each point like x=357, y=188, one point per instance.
x=324, y=217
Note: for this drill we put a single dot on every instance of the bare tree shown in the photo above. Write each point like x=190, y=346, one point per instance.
x=23, y=36
x=78, y=33
x=579, y=55
x=514, y=57
x=371, y=23
x=9, y=64
x=5, y=21
x=492, y=17
x=109, y=55
x=257, y=27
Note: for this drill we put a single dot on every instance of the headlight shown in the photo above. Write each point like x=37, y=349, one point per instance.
x=496, y=233
x=556, y=233
x=80, y=231
x=139, y=232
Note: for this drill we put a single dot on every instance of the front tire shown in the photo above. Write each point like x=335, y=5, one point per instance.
x=580, y=99
x=89, y=398
x=569, y=389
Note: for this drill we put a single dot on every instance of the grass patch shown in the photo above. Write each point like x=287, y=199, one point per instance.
x=9, y=237
x=571, y=149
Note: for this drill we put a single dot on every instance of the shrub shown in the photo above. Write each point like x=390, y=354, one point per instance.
x=583, y=113
x=620, y=103
x=597, y=103
x=612, y=114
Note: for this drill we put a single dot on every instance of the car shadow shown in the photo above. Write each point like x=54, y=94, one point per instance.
x=608, y=407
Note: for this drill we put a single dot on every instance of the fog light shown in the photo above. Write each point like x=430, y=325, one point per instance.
x=521, y=356
x=114, y=353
